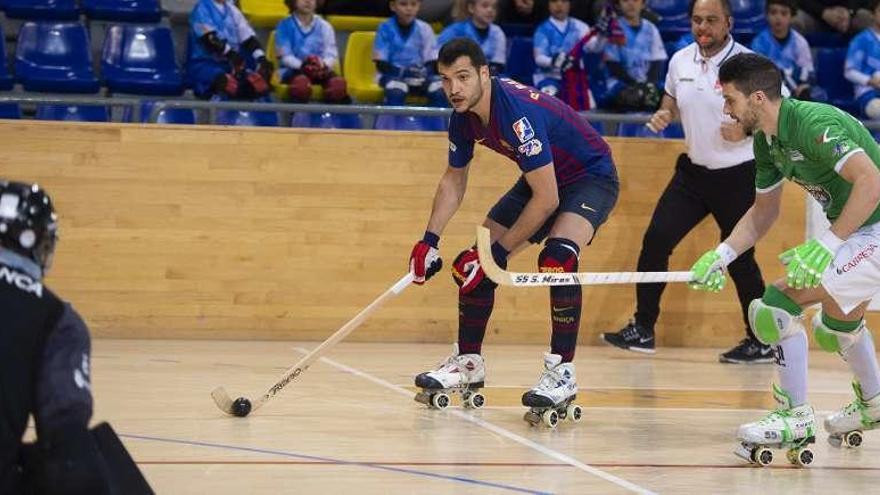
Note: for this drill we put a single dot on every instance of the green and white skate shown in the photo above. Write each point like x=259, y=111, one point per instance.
x=846, y=427
x=792, y=428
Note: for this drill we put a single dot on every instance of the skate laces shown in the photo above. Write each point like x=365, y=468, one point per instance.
x=550, y=378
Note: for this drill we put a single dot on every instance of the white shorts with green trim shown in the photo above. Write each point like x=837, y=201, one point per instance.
x=854, y=275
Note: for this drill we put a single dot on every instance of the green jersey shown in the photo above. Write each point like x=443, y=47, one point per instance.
x=813, y=142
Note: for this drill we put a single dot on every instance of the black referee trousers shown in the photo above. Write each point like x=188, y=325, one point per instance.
x=693, y=193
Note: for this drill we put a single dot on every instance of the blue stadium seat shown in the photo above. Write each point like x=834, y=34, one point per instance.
x=82, y=113
x=235, y=117
x=55, y=57
x=521, y=60
x=140, y=60
x=829, y=76
x=326, y=120
x=409, y=123
x=6, y=80
x=58, y=10
x=10, y=111
x=166, y=116
x=749, y=19
x=123, y=10
x=673, y=17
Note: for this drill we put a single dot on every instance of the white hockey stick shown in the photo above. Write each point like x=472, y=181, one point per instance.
x=227, y=405
x=503, y=277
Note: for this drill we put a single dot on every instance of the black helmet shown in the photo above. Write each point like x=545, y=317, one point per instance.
x=28, y=224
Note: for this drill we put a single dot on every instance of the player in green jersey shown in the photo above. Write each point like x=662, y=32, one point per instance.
x=831, y=155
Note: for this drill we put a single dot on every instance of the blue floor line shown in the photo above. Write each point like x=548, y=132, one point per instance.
x=338, y=461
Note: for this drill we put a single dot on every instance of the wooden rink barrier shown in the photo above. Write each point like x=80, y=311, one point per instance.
x=272, y=233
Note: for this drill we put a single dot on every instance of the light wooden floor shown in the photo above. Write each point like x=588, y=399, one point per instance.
x=661, y=424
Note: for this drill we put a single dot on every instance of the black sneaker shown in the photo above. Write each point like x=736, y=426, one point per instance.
x=749, y=351
x=632, y=337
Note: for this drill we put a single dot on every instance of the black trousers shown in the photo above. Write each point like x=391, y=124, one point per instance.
x=693, y=193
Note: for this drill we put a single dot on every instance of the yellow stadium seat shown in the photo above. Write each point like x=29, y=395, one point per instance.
x=355, y=22
x=264, y=13
x=360, y=71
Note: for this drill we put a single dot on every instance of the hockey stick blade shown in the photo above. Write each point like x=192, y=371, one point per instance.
x=503, y=277
x=222, y=399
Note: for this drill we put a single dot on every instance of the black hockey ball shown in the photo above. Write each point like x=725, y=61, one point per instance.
x=241, y=407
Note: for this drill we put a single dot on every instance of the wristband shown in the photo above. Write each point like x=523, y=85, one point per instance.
x=727, y=253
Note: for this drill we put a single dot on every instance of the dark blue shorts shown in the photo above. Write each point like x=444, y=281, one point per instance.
x=592, y=197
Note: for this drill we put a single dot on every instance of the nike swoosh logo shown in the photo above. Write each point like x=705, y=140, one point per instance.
x=825, y=138
x=643, y=340
x=559, y=310
x=479, y=141
x=584, y=206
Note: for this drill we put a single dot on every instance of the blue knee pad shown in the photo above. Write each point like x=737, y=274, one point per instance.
x=395, y=92
x=558, y=256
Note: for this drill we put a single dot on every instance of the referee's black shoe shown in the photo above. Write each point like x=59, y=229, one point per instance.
x=632, y=337
x=749, y=351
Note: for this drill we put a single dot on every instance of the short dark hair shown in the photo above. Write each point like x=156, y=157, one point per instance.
x=462, y=47
x=750, y=72
x=791, y=4
x=725, y=5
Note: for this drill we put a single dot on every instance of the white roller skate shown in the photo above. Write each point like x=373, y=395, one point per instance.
x=459, y=373
x=551, y=400
x=785, y=428
x=846, y=427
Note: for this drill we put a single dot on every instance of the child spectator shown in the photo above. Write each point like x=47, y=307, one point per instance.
x=863, y=66
x=787, y=49
x=306, y=48
x=554, y=39
x=226, y=59
x=404, y=53
x=634, y=68
x=480, y=27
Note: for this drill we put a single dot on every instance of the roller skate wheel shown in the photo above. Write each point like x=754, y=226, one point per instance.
x=440, y=401
x=762, y=456
x=853, y=439
x=532, y=418
x=574, y=413
x=550, y=418
x=475, y=400
x=803, y=457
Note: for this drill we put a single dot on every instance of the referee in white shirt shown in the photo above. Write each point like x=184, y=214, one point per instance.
x=716, y=177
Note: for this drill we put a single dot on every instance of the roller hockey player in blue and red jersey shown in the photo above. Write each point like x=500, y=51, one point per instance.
x=567, y=189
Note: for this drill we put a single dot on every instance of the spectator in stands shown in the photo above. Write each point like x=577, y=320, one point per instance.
x=554, y=39
x=788, y=50
x=405, y=55
x=226, y=59
x=842, y=16
x=862, y=66
x=306, y=48
x=480, y=27
x=634, y=68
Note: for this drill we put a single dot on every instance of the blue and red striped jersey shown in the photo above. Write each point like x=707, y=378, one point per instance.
x=533, y=129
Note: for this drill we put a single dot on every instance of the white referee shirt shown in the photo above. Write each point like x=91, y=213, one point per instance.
x=693, y=81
